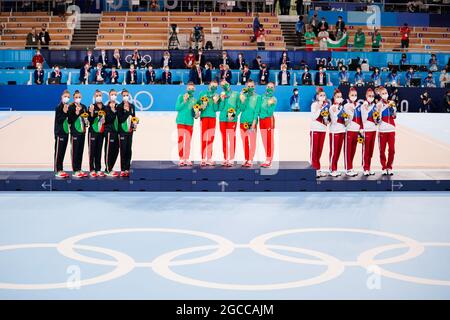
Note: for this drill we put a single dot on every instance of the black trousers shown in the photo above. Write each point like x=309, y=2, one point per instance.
x=95, y=151
x=111, y=150
x=125, y=143
x=60, y=151
x=77, y=141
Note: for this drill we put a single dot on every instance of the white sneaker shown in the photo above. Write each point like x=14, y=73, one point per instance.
x=389, y=172
x=366, y=173
x=335, y=174
x=384, y=172
x=372, y=173
x=351, y=173
x=318, y=174
x=324, y=173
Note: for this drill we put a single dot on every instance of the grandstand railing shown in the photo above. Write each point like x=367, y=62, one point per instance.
x=428, y=6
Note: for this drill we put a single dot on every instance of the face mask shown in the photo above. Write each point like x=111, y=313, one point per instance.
x=98, y=99
x=77, y=100
x=250, y=90
x=191, y=92
x=113, y=97
x=338, y=100
x=65, y=99
x=295, y=93
x=370, y=100
x=131, y=69
x=353, y=99
x=385, y=96
x=321, y=98
x=269, y=91
x=226, y=86
x=56, y=70
x=126, y=98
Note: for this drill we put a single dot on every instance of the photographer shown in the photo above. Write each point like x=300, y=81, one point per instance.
x=198, y=37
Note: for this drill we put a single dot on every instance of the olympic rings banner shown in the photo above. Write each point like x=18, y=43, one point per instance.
x=217, y=247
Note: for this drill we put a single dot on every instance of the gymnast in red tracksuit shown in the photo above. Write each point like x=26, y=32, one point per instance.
x=338, y=118
x=371, y=118
x=386, y=132
x=320, y=120
x=354, y=130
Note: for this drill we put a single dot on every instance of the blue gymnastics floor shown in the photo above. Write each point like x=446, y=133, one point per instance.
x=219, y=246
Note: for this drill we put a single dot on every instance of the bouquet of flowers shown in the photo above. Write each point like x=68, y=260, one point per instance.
x=197, y=108
x=85, y=117
x=245, y=90
x=246, y=125
x=101, y=113
x=325, y=114
x=134, y=122
x=376, y=117
x=204, y=99
x=231, y=114
x=360, y=138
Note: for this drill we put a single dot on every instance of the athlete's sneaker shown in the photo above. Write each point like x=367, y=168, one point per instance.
x=210, y=163
x=318, y=175
x=389, y=172
x=244, y=164
x=93, y=174
x=203, y=163
x=181, y=163
x=225, y=163
x=85, y=174
x=384, y=172
x=230, y=163
x=323, y=173
x=78, y=174
x=335, y=174
x=101, y=174
x=249, y=164
x=189, y=163
x=123, y=174
x=366, y=173
x=61, y=175
x=372, y=173
x=351, y=173
x=266, y=164
x=127, y=173
x=112, y=174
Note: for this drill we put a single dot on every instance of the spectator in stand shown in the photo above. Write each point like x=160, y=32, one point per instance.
x=376, y=40
x=403, y=60
x=447, y=102
x=285, y=6
x=429, y=82
x=246, y=73
x=444, y=78
x=300, y=29
x=294, y=101
x=131, y=77
x=56, y=73
x=37, y=58
x=409, y=75
x=309, y=39
x=359, y=77
x=322, y=25
x=103, y=59
x=89, y=59
x=257, y=63
x=306, y=77
x=196, y=74
x=263, y=74
x=39, y=74
x=314, y=23
x=197, y=38
x=225, y=59
x=100, y=74
x=393, y=79
x=376, y=77
x=433, y=63
x=154, y=5
x=284, y=76
x=426, y=102
x=117, y=60
x=343, y=75
x=405, y=31
x=150, y=75
x=166, y=60
x=135, y=59
x=85, y=74
x=240, y=61
x=359, y=41
x=207, y=73
x=166, y=76
x=340, y=24
x=323, y=39
x=256, y=25
x=113, y=75
x=189, y=60
x=44, y=38
x=2, y=27
x=32, y=39
x=261, y=38
x=299, y=7
x=200, y=57
x=321, y=77
x=225, y=73
x=284, y=59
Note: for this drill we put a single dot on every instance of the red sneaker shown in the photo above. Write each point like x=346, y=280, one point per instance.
x=123, y=174
x=93, y=174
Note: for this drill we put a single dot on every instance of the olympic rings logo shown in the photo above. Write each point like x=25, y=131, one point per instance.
x=138, y=103
x=145, y=59
x=161, y=265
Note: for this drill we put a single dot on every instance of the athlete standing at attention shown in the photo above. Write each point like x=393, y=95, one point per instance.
x=185, y=123
x=78, y=120
x=386, y=132
x=371, y=118
x=126, y=114
x=320, y=119
x=96, y=135
x=61, y=131
x=354, y=130
x=339, y=118
x=111, y=134
x=267, y=122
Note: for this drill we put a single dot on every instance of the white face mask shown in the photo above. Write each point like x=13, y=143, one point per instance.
x=56, y=70
x=338, y=100
x=321, y=98
x=113, y=97
x=65, y=99
x=353, y=99
x=126, y=98
x=77, y=100
x=385, y=96
x=98, y=99
x=370, y=100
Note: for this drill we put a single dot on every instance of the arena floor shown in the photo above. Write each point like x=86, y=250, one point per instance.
x=26, y=141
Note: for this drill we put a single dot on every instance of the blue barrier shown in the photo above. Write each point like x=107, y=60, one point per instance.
x=16, y=58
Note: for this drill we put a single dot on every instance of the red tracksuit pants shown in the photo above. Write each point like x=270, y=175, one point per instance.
x=208, y=129
x=316, y=141
x=350, y=144
x=267, y=127
x=249, y=142
x=336, y=142
x=386, y=139
x=228, y=132
x=368, y=146
x=184, y=140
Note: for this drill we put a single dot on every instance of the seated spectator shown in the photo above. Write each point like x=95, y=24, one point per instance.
x=359, y=40
x=166, y=60
x=393, y=79
x=39, y=74
x=322, y=25
x=340, y=24
x=32, y=39
x=309, y=39
x=166, y=76
x=225, y=59
x=131, y=77
x=85, y=71
x=429, y=82
x=403, y=60
x=196, y=74
x=294, y=101
x=365, y=65
x=285, y=59
x=44, y=38
x=343, y=75
x=284, y=76
x=261, y=38
x=257, y=63
x=376, y=40
x=323, y=39
x=150, y=75
x=207, y=73
x=433, y=63
x=256, y=25
x=306, y=77
x=240, y=61
x=376, y=77
x=263, y=74
x=154, y=5
x=37, y=58
x=359, y=77
x=200, y=57
x=299, y=29
x=89, y=59
x=225, y=73
x=404, y=32
x=409, y=75
x=444, y=78
x=103, y=59
x=135, y=59
x=100, y=74
x=197, y=37
x=56, y=73
x=117, y=60
x=321, y=77
x=189, y=60
x=246, y=73
x=113, y=75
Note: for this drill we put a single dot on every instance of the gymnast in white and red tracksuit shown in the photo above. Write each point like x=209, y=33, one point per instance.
x=370, y=119
x=386, y=132
x=338, y=118
x=354, y=129
x=320, y=120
